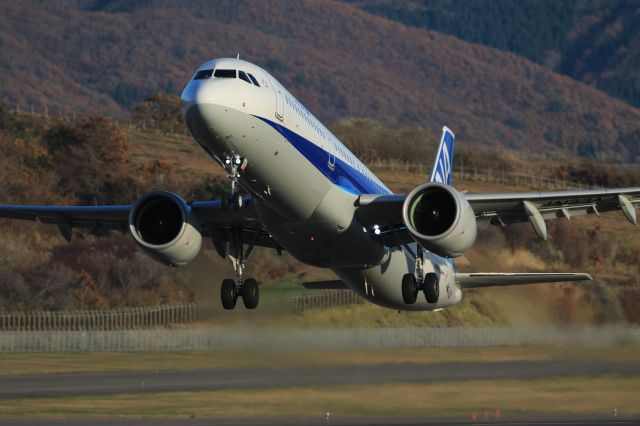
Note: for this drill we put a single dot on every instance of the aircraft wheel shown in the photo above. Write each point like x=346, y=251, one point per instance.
x=409, y=289
x=228, y=294
x=250, y=293
x=431, y=287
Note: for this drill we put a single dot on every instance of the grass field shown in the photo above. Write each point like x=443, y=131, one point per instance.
x=87, y=362
x=580, y=395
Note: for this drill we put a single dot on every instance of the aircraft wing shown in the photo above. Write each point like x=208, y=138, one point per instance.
x=106, y=217
x=478, y=280
x=507, y=208
x=214, y=220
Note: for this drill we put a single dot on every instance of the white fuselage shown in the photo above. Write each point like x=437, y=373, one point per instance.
x=304, y=181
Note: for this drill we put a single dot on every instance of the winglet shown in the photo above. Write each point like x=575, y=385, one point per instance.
x=443, y=165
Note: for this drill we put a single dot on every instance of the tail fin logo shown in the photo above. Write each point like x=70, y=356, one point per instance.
x=443, y=166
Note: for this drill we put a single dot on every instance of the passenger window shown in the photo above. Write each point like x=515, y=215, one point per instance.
x=203, y=74
x=253, y=79
x=244, y=77
x=225, y=73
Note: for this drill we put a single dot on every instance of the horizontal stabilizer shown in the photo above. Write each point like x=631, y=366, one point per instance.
x=326, y=285
x=496, y=279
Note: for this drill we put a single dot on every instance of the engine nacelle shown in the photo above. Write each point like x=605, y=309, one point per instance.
x=440, y=219
x=166, y=229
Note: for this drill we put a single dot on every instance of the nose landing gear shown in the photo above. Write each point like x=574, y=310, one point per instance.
x=247, y=288
x=233, y=164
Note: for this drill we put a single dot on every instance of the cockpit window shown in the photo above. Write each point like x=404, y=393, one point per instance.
x=253, y=79
x=203, y=74
x=243, y=76
x=225, y=73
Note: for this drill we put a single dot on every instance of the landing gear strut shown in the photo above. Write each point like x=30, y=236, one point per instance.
x=247, y=288
x=413, y=283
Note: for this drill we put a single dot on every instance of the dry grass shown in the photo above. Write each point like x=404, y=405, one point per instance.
x=583, y=395
x=87, y=362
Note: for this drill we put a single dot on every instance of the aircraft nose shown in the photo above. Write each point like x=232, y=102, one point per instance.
x=197, y=99
x=197, y=92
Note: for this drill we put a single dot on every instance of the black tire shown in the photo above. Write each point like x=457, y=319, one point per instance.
x=250, y=293
x=237, y=201
x=228, y=294
x=409, y=289
x=224, y=200
x=431, y=287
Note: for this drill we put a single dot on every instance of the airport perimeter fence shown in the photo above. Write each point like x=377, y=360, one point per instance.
x=272, y=338
x=99, y=319
x=150, y=316
x=323, y=299
x=487, y=176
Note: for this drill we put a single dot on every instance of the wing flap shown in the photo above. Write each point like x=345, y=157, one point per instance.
x=479, y=280
x=509, y=208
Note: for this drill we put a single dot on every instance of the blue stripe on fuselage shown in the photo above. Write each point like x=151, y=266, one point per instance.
x=343, y=174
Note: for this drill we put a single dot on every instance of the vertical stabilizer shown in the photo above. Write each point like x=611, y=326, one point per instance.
x=443, y=165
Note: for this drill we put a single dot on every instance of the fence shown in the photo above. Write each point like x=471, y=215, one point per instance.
x=45, y=113
x=487, y=176
x=103, y=319
x=494, y=176
x=271, y=338
x=150, y=316
x=322, y=299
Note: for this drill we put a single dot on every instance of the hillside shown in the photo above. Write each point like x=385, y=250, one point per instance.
x=103, y=56
x=39, y=270
x=597, y=42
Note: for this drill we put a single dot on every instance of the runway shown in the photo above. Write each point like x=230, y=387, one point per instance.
x=59, y=385
x=189, y=380
x=320, y=421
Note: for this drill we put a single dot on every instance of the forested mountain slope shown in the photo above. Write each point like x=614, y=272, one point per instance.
x=103, y=56
x=595, y=41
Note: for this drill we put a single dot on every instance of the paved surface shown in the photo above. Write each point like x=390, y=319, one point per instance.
x=109, y=383
x=542, y=421
x=55, y=385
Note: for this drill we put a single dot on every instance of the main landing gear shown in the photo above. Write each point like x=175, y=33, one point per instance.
x=413, y=283
x=247, y=288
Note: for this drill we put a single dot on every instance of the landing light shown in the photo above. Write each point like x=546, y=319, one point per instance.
x=376, y=229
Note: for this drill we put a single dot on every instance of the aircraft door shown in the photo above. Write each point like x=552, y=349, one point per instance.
x=279, y=100
x=332, y=156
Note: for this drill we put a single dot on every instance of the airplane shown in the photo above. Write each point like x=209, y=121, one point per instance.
x=309, y=195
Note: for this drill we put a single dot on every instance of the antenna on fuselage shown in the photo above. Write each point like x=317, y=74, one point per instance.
x=238, y=57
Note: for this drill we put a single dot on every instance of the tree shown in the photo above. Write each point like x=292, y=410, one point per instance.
x=90, y=158
x=161, y=112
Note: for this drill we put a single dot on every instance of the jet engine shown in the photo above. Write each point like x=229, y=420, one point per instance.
x=164, y=226
x=440, y=219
